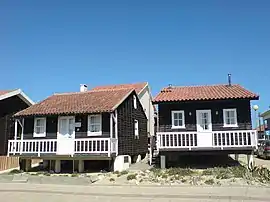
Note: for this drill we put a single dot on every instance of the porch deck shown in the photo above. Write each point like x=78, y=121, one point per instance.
x=216, y=140
x=41, y=147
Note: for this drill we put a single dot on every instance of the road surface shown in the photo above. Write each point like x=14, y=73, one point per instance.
x=12, y=192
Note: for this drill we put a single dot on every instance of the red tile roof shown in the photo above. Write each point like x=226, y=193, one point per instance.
x=137, y=86
x=3, y=92
x=78, y=103
x=208, y=92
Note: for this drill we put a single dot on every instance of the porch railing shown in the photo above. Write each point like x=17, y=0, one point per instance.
x=218, y=139
x=49, y=146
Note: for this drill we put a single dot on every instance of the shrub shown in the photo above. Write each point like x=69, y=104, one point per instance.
x=15, y=171
x=74, y=175
x=209, y=181
x=47, y=174
x=183, y=180
x=131, y=177
x=112, y=180
x=124, y=172
x=180, y=171
x=207, y=172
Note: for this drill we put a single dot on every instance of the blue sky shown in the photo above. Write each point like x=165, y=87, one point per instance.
x=54, y=46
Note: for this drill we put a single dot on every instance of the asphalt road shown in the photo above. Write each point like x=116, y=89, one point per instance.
x=55, y=193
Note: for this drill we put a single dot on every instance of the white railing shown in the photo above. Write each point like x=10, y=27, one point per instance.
x=215, y=139
x=32, y=146
x=95, y=145
x=241, y=138
x=50, y=146
x=176, y=140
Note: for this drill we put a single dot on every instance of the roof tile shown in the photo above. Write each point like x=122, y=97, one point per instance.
x=79, y=102
x=137, y=86
x=208, y=92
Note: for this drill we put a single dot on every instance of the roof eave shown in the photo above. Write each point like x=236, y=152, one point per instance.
x=59, y=114
x=19, y=93
x=191, y=100
x=122, y=100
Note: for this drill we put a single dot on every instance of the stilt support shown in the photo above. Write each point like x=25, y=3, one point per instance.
x=162, y=162
x=57, y=165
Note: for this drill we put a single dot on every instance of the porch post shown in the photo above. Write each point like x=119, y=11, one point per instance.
x=111, y=125
x=16, y=129
x=116, y=132
x=21, y=143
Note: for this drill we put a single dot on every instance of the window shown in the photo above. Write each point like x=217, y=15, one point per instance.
x=136, y=128
x=230, y=118
x=94, y=125
x=126, y=159
x=134, y=101
x=39, y=127
x=178, y=119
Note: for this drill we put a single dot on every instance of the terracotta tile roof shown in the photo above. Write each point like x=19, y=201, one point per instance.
x=137, y=86
x=3, y=92
x=78, y=103
x=208, y=92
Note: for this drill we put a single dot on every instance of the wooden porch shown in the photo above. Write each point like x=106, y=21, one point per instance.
x=215, y=140
x=40, y=147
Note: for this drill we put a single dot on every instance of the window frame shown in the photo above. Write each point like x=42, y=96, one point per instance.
x=183, y=119
x=136, y=132
x=35, y=125
x=225, y=117
x=134, y=101
x=98, y=133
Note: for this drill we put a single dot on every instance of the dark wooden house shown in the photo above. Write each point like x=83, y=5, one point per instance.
x=213, y=119
x=87, y=125
x=11, y=101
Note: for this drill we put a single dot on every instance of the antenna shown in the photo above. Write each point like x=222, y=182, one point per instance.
x=229, y=79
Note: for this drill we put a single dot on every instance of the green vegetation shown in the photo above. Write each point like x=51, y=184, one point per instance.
x=209, y=181
x=122, y=173
x=112, y=180
x=131, y=176
x=15, y=171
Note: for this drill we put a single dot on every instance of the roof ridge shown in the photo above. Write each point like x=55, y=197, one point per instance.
x=200, y=85
x=92, y=91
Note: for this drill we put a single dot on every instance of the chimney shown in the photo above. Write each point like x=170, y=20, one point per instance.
x=229, y=80
x=83, y=88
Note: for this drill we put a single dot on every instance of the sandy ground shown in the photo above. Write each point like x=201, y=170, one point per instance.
x=258, y=161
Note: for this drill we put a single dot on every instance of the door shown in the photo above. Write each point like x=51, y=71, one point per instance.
x=66, y=135
x=204, y=128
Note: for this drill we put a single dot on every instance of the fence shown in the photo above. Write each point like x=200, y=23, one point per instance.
x=12, y=162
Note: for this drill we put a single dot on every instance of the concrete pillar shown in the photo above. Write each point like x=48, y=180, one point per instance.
x=28, y=164
x=162, y=162
x=81, y=166
x=45, y=163
x=236, y=157
x=57, y=166
x=250, y=160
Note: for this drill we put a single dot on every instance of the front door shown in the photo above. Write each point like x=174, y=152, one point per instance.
x=204, y=128
x=66, y=135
